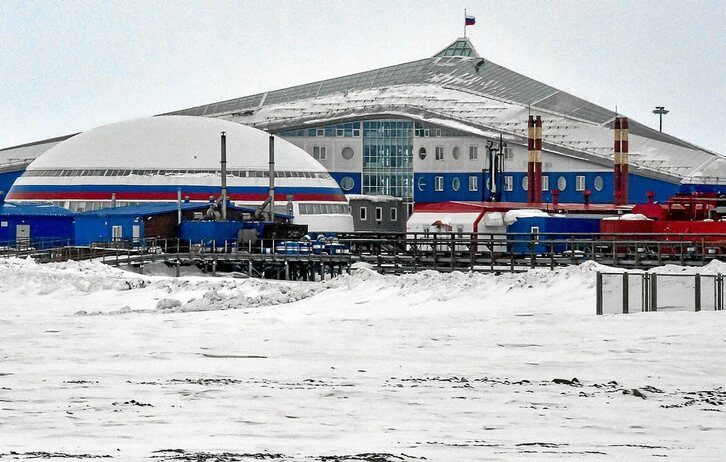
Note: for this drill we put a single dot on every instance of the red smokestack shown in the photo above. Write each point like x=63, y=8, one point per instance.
x=538, y=159
x=624, y=161
x=586, y=194
x=530, y=159
x=616, y=172
x=555, y=198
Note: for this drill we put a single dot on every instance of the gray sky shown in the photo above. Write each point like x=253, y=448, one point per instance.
x=70, y=66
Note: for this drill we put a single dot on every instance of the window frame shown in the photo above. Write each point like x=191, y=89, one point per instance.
x=580, y=183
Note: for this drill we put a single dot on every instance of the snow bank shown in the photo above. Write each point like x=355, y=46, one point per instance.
x=455, y=366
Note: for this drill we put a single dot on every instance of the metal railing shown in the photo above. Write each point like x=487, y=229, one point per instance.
x=623, y=293
x=409, y=252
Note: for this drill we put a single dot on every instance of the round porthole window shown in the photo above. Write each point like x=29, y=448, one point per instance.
x=422, y=153
x=525, y=183
x=347, y=153
x=456, y=183
x=561, y=183
x=598, y=183
x=347, y=183
x=455, y=153
x=421, y=184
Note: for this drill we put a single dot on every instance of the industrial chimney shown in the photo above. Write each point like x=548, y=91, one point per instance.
x=624, y=161
x=616, y=171
x=530, y=159
x=538, y=159
x=271, y=195
x=223, y=163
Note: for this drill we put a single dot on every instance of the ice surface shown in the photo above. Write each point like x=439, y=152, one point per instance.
x=450, y=367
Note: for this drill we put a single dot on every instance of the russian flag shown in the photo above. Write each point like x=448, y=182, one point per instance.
x=469, y=20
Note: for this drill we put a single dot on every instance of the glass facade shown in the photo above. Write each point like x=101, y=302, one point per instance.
x=388, y=158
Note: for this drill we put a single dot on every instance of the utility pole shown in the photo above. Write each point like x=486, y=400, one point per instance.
x=661, y=111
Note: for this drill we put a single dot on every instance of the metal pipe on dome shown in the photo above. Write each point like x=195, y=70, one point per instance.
x=538, y=159
x=530, y=159
x=624, y=160
x=616, y=171
x=271, y=195
x=223, y=164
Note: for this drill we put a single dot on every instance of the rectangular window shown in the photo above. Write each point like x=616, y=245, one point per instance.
x=580, y=183
x=356, y=132
x=320, y=132
x=473, y=152
x=439, y=183
x=439, y=153
x=379, y=213
x=473, y=183
x=394, y=214
x=534, y=231
x=319, y=152
x=545, y=183
x=117, y=233
x=339, y=132
x=509, y=183
x=508, y=153
x=363, y=213
x=438, y=132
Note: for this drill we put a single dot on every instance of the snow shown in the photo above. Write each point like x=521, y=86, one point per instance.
x=372, y=198
x=98, y=361
x=511, y=216
x=629, y=217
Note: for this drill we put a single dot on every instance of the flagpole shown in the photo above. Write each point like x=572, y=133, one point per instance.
x=464, y=22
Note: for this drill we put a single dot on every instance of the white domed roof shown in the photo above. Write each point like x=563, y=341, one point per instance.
x=180, y=142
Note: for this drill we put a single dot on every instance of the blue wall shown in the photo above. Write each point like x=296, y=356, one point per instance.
x=357, y=178
x=206, y=231
x=91, y=228
x=550, y=225
x=58, y=229
x=6, y=181
x=638, y=186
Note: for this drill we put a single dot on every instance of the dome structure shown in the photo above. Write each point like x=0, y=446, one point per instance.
x=153, y=159
x=184, y=142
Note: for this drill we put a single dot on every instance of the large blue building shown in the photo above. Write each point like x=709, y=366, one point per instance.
x=427, y=131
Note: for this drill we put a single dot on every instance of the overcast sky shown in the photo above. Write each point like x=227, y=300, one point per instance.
x=70, y=66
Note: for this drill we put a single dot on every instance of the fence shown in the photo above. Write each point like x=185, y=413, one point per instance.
x=629, y=292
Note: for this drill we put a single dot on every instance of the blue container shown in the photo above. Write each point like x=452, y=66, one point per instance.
x=551, y=234
x=207, y=232
x=287, y=248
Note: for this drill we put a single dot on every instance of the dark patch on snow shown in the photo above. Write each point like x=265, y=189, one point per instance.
x=573, y=383
x=50, y=455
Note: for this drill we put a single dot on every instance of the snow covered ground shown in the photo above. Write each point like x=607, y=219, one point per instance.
x=96, y=362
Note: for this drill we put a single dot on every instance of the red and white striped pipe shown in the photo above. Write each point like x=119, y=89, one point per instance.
x=530, y=159
x=538, y=159
x=616, y=159
x=624, y=161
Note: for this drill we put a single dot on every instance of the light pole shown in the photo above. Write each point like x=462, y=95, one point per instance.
x=661, y=111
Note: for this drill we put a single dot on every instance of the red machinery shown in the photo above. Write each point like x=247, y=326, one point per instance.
x=693, y=223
